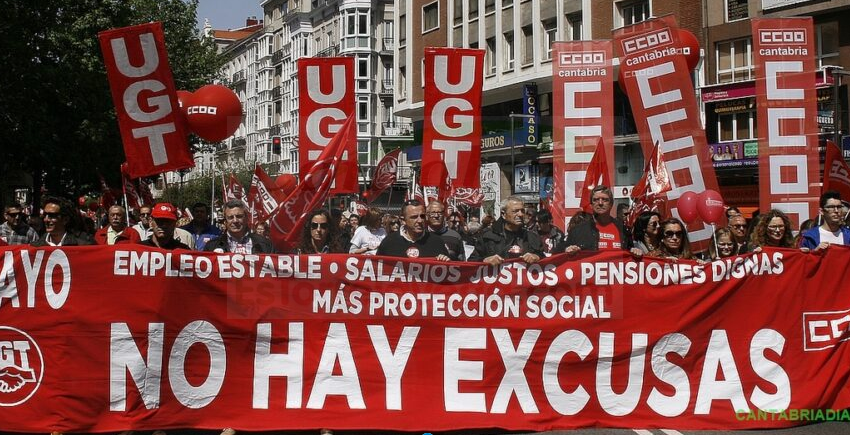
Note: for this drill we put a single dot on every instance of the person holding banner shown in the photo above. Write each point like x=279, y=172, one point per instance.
x=722, y=244
x=413, y=240
x=601, y=232
x=368, y=236
x=674, y=242
x=164, y=222
x=551, y=237
x=832, y=231
x=238, y=237
x=508, y=238
x=773, y=230
x=60, y=225
x=320, y=235
x=647, y=233
x=117, y=232
x=436, y=212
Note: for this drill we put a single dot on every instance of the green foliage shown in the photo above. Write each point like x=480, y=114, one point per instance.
x=56, y=112
x=200, y=189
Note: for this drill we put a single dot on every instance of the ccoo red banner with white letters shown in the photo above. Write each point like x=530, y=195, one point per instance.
x=145, y=100
x=789, y=171
x=325, y=101
x=108, y=339
x=583, y=112
x=661, y=94
x=451, y=139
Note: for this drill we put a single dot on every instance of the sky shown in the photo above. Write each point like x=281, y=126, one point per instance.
x=228, y=14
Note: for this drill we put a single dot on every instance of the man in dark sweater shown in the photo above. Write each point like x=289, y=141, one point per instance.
x=508, y=238
x=603, y=231
x=163, y=223
x=412, y=241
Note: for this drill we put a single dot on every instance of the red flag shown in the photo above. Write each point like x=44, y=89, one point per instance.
x=836, y=173
x=655, y=179
x=385, y=175
x=108, y=195
x=445, y=190
x=145, y=98
x=234, y=190
x=263, y=196
x=145, y=192
x=130, y=192
x=288, y=218
x=470, y=197
x=597, y=174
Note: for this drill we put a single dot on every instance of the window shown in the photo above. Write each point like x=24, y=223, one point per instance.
x=734, y=60
x=402, y=82
x=736, y=126
x=402, y=30
x=430, y=17
x=362, y=73
x=473, y=9
x=632, y=12
x=489, y=6
x=490, y=57
x=574, y=26
x=550, y=35
x=737, y=10
x=363, y=108
x=527, y=45
x=388, y=29
x=363, y=152
x=509, y=51
x=457, y=11
x=826, y=41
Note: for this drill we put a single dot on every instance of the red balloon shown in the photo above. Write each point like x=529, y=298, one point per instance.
x=214, y=112
x=710, y=206
x=687, y=205
x=690, y=47
x=286, y=183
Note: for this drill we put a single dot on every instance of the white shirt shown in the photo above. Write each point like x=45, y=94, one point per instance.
x=830, y=237
x=366, y=238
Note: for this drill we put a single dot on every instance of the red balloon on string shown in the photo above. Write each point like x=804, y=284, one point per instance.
x=687, y=206
x=214, y=112
x=710, y=206
x=690, y=47
x=286, y=183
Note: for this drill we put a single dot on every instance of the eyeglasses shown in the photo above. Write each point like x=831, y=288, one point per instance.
x=739, y=226
x=415, y=216
x=833, y=207
x=725, y=245
x=671, y=234
x=51, y=215
x=776, y=227
x=319, y=225
x=601, y=199
x=652, y=224
x=435, y=213
x=14, y=215
x=144, y=214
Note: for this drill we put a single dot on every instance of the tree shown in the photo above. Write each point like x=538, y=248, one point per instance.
x=57, y=119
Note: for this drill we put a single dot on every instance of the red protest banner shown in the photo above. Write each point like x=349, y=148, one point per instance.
x=325, y=101
x=658, y=83
x=784, y=61
x=598, y=174
x=583, y=112
x=451, y=139
x=145, y=100
x=202, y=340
x=836, y=173
x=385, y=175
x=263, y=196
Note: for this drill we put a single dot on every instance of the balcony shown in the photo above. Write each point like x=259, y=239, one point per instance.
x=274, y=130
x=238, y=143
x=398, y=129
x=387, y=47
x=386, y=90
x=331, y=51
x=239, y=77
x=276, y=93
x=277, y=57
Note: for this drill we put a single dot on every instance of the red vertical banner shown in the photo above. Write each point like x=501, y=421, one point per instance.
x=659, y=87
x=583, y=113
x=145, y=98
x=454, y=79
x=325, y=101
x=784, y=51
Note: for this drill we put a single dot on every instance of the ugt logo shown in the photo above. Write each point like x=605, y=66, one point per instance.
x=21, y=366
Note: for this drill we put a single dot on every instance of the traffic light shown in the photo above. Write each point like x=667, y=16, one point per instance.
x=276, y=144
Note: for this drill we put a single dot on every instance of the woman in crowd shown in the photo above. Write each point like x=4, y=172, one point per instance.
x=647, y=235
x=393, y=224
x=262, y=229
x=674, y=241
x=722, y=245
x=773, y=230
x=368, y=236
x=806, y=225
x=320, y=235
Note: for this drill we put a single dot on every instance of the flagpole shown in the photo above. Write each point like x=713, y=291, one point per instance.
x=126, y=203
x=212, y=183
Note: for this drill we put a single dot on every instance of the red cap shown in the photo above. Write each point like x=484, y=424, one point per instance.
x=164, y=210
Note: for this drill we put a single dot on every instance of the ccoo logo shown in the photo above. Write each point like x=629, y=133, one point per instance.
x=21, y=366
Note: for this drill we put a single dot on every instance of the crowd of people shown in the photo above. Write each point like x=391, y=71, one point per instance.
x=427, y=231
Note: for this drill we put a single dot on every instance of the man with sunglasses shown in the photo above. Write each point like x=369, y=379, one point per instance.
x=831, y=231
x=413, y=240
x=59, y=225
x=14, y=231
x=603, y=231
x=738, y=227
x=144, y=227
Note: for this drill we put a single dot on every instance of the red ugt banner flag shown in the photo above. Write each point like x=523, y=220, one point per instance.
x=145, y=100
x=784, y=54
x=583, y=113
x=661, y=94
x=326, y=100
x=836, y=173
x=454, y=79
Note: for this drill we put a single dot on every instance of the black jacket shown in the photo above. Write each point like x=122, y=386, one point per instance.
x=586, y=236
x=71, y=239
x=498, y=241
x=260, y=244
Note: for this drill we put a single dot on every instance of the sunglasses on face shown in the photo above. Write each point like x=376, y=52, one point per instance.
x=144, y=214
x=653, y=224
x=14, y=215
x=420, y=216
x=739, y=226
x=51, y=215
x=670, y=234
x=319, y=225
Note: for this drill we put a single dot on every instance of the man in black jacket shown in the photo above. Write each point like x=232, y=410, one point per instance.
x=508, y=238
x=238, y=237
x=59, y=225
x=412, y=240
x=601, y=232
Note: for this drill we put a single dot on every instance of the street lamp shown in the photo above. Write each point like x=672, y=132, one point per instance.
x=837, y=72
x=512, y=116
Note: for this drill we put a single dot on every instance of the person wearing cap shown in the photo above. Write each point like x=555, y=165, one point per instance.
x=238, y=237
x=164, y=217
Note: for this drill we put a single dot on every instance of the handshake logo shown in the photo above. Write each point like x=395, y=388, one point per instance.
x=21, y=366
